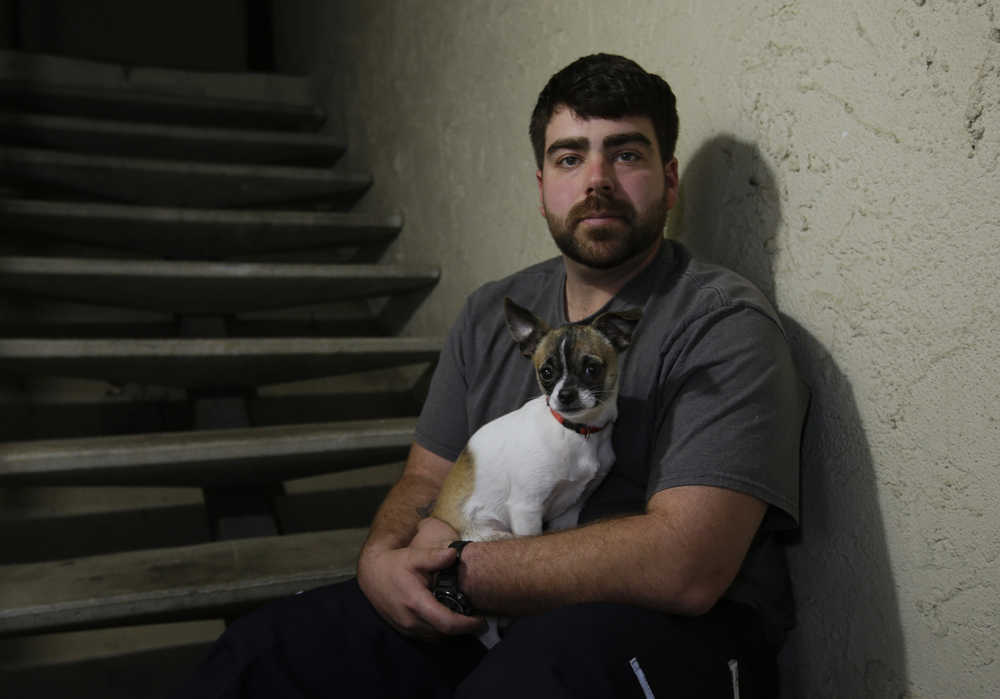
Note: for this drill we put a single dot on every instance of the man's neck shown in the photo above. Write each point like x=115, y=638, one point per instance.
x=588, y=289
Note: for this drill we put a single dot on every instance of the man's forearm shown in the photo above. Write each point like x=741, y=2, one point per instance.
x=396, y=521
x=610, y=561
x=397, y=518
x=679, y=557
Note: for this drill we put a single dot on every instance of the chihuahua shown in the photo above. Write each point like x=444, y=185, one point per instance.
x=532, y=469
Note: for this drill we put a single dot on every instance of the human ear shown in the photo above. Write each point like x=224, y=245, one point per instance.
x=671, y=182
x=541, y=197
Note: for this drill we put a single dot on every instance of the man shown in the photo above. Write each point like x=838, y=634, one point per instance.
x=673, y=585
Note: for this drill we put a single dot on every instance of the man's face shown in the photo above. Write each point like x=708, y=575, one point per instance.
x=604, y=188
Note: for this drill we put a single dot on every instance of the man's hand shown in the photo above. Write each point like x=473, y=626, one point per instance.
x=404, y=551
x=397, y=581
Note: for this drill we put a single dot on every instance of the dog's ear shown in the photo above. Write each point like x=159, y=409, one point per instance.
x=618, y=326
x=525, y=327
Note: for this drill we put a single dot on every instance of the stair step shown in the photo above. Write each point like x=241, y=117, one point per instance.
x=47, y=523
x=55, y=524
x=351, y=318
x=212, y=364
x=207, y=457
x=201, y=581
x=56, y=651
x=205, y=287
x=168, y=142
x=120, y=663
x=140, y=180
x=72, y=86
x=194, y=233
x=61, y=536
x=74, y=408
x=31, y=316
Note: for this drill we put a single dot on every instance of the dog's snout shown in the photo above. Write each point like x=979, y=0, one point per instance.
x=566, y=396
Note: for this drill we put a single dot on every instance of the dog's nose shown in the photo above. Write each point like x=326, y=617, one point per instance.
x=566, y=396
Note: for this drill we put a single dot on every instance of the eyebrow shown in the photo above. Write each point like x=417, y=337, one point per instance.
x=612, y=141
x=578, y=143
x=620, y=139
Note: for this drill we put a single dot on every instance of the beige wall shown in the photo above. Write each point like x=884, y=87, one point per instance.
x=844, y=156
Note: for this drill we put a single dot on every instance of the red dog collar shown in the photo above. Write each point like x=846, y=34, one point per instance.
x=585, y=430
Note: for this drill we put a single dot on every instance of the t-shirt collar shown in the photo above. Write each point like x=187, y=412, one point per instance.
x=636, y=291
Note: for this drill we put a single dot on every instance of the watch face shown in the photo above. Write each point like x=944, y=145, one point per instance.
x=452, y=600
x=447, y=593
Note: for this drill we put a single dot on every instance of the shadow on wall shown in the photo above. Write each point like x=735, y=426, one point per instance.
x=848, y=642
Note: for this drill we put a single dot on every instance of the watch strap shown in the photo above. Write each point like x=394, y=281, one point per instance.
x=458, y=545
x=445, y=588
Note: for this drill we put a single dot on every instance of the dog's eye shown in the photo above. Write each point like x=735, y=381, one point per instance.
x=546, y=373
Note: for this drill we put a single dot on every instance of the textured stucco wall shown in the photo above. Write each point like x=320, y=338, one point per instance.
x=844, y=156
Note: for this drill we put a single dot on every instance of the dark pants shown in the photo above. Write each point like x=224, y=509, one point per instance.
x=330, y=642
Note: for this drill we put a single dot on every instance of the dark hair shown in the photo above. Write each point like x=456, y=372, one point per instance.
x=607, y=87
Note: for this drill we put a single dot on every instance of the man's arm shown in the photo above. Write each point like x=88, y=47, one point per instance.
x=396, y=521
x=395, y=575
x=680, y=556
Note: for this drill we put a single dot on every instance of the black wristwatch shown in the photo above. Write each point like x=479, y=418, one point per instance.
x=445, y=587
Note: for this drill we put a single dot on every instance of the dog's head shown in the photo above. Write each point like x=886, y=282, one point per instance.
x=576, y=364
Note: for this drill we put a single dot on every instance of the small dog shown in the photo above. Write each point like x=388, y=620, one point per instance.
x=532, y=469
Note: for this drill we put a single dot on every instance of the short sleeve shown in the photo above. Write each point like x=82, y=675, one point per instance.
x=732, y=412
x=442, y=427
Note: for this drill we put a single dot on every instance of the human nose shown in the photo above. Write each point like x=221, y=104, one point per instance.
x=600, y=176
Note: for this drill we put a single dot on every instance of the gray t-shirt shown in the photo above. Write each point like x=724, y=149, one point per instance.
x=708, y=395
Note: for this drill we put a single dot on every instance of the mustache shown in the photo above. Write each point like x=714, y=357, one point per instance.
x=600, y=204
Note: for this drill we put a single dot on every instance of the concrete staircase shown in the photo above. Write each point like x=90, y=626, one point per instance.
x=204, y=395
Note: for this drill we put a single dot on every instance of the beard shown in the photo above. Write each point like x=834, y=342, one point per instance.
x=604, y=247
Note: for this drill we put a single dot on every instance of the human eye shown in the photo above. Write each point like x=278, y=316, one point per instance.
x=569, y=160
x=629, y=156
